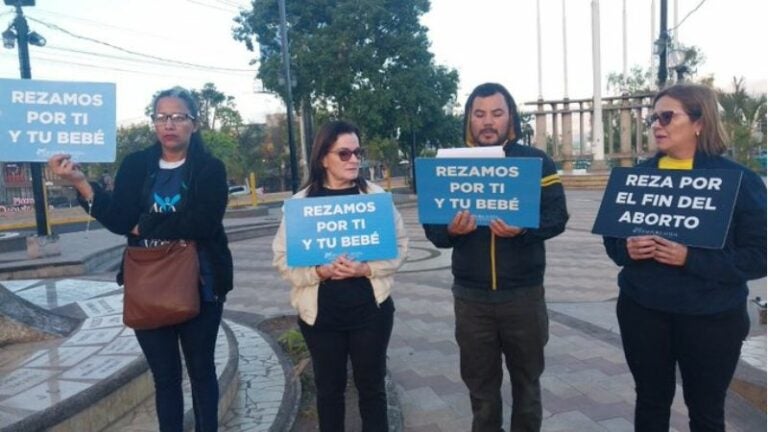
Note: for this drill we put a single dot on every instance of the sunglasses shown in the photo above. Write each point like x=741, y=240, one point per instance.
x=664, y=118
x=345, y=154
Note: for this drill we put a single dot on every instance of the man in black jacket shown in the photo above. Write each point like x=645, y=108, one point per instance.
x=498, y=275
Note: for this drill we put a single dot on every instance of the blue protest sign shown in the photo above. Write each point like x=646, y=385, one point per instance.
x=319, y=229
x=39, y=119
x=499, y=188
x=692, y=207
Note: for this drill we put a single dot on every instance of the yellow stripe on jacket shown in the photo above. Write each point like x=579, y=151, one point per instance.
x=550, y=180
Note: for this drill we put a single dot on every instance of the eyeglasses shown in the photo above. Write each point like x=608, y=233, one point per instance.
x=175, y=118
x=345, y=154
x=664, y=118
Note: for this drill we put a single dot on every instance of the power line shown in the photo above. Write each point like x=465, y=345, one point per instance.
x=68, y=61
x=686, y=16
x=48, y=59
x=228, y=2
x=135, y=60
x=136, y=53
x=212, y=6
x=102, y=24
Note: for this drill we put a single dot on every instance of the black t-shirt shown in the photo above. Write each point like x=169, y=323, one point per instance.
x=347, y=303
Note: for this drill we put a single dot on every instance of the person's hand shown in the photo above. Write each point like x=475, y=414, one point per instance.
x=501, y=229
x=344, y=267
x=641, y=247
x=63, y=166
x=462, y=223
x=323, y=271
x=669, y=252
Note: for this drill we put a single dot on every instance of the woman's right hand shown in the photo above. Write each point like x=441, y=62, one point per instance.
x=63, y=166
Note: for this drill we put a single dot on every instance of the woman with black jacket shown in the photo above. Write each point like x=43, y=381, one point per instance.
x=172, y=190
x=684, y=307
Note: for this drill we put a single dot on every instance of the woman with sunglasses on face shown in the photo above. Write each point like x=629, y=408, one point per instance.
x=686, y=306
x=345, y=309
x=172, y=190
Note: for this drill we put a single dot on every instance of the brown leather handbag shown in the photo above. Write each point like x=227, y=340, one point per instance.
x=161, y=285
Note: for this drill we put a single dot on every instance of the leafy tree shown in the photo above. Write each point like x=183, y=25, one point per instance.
x=214, y=106
x=250, y=139
x=638, y=81
x=384, y=150
x=224, y=146
x=641, y=80
x=363, y=60
x=744, y=117
x=133, y=138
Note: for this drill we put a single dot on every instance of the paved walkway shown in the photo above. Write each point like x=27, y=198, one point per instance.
x=586, y=384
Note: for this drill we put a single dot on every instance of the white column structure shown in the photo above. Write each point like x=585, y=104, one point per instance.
x=538, y=43
x=565, y=55
x=675, y=35
x=624, y=38
x=598, y=152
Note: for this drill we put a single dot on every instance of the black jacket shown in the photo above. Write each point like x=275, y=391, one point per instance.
x=198, y=217
x=483, y=262
x=711, y=280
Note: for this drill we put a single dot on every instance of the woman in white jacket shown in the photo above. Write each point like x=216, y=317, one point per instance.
x=345, y=309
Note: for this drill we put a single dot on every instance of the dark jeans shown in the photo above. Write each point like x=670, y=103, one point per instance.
x=706, y=348
x=198, y=342
x=518, y=329
x=367, y=350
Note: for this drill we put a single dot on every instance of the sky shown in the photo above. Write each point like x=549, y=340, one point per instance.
x=485, y=40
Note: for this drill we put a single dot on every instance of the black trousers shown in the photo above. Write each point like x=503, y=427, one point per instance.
x=518, y=329
x=366, y=348
x=706, y=348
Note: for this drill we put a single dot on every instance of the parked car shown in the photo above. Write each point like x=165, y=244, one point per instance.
x=59, y=202
x=239, y=190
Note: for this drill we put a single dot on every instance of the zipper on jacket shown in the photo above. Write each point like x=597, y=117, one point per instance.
x=493, y=262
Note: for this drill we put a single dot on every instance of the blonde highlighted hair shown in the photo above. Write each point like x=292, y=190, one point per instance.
x=700, y=103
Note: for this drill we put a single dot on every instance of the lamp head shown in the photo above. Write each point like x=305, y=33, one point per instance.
x=9, y=38
x=36, y=39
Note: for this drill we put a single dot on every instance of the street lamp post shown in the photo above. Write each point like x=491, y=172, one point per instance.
x=21, y=29
x=288, y=97
x=413, y=159
x=663, y=44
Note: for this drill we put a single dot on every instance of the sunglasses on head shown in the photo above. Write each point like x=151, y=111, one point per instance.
x=345, y=154
x=664, y=118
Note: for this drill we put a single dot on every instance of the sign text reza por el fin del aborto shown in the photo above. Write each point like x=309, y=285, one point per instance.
x=692, y=207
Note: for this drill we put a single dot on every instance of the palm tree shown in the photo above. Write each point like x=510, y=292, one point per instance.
x=744, y=119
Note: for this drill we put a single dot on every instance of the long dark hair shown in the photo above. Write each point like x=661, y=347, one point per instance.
x=700, y=103
x=324, y=140
x=196, y=143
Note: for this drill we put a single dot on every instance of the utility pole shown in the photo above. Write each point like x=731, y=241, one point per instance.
x=288, y=97
x=652, y=63
x=413, y=159
x=21, y=29
x=663, y=45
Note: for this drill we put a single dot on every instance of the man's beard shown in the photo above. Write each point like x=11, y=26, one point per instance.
x=501, y=138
